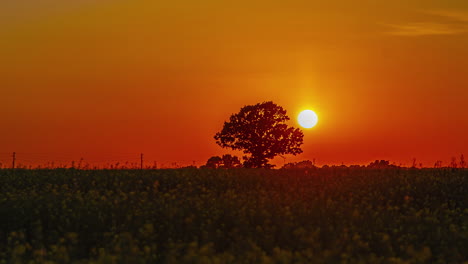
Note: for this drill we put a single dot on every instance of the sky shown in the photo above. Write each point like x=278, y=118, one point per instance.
x=108, y=80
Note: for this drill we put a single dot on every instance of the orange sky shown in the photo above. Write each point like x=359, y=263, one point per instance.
x=107, y=80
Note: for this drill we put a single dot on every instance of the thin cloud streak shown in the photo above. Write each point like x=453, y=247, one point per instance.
x=424, y=29
x=443, y=22
x=449, y=14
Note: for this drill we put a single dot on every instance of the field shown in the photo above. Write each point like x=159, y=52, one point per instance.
x=333, y=215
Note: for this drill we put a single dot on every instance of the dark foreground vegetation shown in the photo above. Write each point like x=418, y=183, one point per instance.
x=334, y=215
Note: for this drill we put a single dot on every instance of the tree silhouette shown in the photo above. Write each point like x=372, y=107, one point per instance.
x=227, y=162
x=230, y=161
x=305, y=164
x=260, y=130
x=214, y=162
x=383, y=164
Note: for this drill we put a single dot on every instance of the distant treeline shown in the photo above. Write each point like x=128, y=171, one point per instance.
x=229, y=161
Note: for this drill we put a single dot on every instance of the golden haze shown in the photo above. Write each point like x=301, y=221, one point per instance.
x=161, y=77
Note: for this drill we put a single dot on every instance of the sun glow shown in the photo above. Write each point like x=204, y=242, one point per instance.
x=307, y=119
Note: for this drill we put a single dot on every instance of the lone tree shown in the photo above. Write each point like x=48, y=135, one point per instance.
x=260, y=130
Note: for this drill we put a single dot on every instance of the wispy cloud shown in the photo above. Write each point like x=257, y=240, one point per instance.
x=442, y=22
x=456, y=16
x=424, y=29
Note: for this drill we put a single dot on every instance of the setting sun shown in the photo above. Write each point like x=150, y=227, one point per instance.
x=307, y=119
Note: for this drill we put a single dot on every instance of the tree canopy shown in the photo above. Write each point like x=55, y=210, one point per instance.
x=261, y=131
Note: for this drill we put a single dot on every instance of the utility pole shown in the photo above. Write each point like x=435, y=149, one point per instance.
x=14, y=159
x=141, y=161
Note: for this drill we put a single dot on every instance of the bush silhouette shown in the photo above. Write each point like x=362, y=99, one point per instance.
x=226, y=161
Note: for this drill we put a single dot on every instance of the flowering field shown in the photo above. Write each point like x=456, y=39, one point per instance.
x=334, y=215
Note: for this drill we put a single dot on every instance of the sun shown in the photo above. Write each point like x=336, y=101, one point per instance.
x=307, y=119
